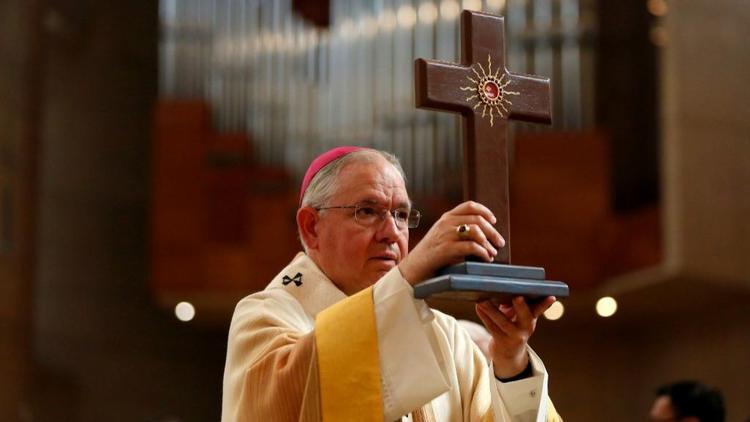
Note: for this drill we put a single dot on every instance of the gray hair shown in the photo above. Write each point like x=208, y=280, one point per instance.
x=323, y=185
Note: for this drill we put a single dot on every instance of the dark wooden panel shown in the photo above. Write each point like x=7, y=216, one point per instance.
x=220, y=227
x=562, y=214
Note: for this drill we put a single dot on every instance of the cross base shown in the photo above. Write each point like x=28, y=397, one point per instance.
x=477, y=281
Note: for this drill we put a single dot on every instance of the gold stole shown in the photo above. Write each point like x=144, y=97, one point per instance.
x=349, y=376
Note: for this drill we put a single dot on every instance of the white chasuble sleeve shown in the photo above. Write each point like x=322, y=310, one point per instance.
x=268, y=366
x=412, y=361
x=524, y=400
x=415, y=365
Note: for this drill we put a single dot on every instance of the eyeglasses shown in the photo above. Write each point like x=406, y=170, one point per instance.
x=368, y=215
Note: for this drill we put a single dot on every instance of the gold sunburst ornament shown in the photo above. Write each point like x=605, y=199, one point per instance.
x=489, y=91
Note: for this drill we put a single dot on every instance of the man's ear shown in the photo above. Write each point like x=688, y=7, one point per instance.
x=307, y=220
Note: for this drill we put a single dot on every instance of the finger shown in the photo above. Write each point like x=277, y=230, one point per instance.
x=507, y=310
x=503, y=332
x=498, y=319
x=474, y=208
x=538, y=309
x=465, y=249
x=457, y=250
x=494, y=330
x=489, y=231
x=477, y=235
x=525, y=318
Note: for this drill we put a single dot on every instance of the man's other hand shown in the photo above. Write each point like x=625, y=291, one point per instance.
x=511, y=326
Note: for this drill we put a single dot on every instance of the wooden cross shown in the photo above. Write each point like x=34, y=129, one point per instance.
x=486, y=94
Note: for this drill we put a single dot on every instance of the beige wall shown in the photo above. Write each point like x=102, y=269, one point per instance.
x=706, y=139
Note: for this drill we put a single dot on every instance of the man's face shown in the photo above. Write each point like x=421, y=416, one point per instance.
x=354, y=256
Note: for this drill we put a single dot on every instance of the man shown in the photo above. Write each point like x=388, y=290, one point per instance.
x=687, y=401
x=338, y=335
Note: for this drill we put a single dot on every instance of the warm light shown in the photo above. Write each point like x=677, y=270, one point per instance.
x=387, y=20
x=495, y=5
x=406, y=16
x=184, y=311
x=449, y=9
x=427, y=12
x=475, y=5
x=555, y=311
x=606, y=306
x=657, y=7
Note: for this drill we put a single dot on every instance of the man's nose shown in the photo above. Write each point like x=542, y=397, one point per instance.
x=388, y=228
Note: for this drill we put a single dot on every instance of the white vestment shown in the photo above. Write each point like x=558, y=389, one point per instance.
x=425, y=356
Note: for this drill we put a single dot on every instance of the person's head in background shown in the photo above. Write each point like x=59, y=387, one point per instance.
x=687, y=401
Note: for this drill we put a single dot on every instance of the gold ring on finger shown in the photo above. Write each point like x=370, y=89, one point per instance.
x=463, y=231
